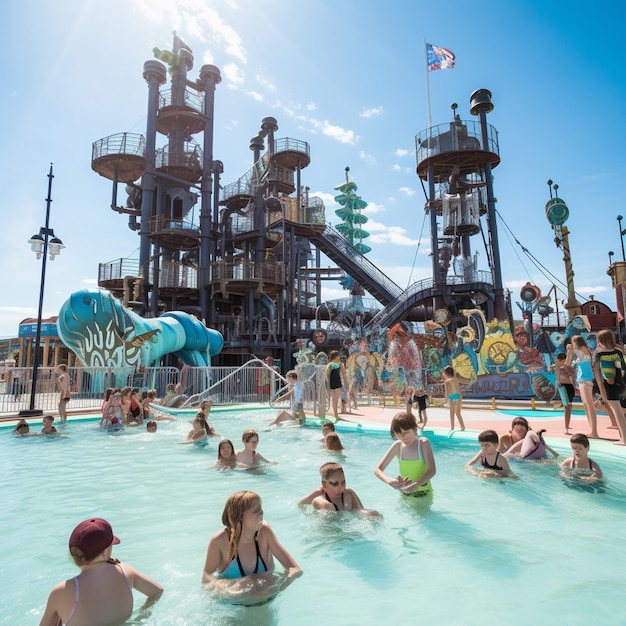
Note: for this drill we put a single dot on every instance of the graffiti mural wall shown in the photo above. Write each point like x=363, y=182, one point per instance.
x=489, y=358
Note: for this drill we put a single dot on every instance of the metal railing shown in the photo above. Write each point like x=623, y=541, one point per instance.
x=120, y=143
x=340, y=250
x=454, y=136
x=190, y=98
x=116, y=270
x=395, y=309
x=87, y=386
x=269, y=271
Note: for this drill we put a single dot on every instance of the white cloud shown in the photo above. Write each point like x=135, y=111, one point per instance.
x=340, y=134
x=407, y=190
x=368, y=158
x=401, y=152
x=233, y=74
x=591, y=290
x=396, y=168
x=373, y=208
x=373, y=112
x=197, y=20
x=265, y=82
x=311, y=106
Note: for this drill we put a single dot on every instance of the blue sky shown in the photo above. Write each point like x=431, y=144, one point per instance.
x=348, y=77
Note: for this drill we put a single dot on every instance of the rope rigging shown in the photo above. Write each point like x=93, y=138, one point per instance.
x=540, y=267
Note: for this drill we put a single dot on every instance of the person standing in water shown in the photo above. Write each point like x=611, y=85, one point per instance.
x=63, y=385
x=416, y=462
x=239, y=564
x=103, y=591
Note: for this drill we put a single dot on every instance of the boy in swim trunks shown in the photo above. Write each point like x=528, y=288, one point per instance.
x=494, y=463
x=565, y=377
x=453, y=393
x=584, y=467
x=48, y=428
x=333, y=495
x=417, y=397
x=295, y=392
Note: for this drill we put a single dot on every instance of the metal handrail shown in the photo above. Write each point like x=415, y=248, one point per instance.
x=121, y=143
x=367, y=272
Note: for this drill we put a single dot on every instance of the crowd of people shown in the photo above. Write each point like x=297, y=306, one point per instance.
x=240, y=560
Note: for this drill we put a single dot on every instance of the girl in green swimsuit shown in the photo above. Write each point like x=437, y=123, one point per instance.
x=415, y=458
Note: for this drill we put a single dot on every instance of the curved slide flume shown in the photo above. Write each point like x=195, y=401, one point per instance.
x=103, y=333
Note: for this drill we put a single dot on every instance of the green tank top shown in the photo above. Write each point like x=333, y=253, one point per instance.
x=414, y=470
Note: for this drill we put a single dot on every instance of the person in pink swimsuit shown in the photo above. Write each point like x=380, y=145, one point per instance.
x=102, y=592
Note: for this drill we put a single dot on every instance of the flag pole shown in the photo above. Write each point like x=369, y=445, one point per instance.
x=430, y=122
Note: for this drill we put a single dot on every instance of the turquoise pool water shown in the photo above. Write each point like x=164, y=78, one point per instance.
x=538, y=550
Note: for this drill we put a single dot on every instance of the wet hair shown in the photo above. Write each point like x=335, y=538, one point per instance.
x=520, y=421
x=578, y=341
x=329, y=426
x=333, y=355
x=328, y=469
x=248, y=434
x=231, y=462
x=151, y=426
x=580, y=438
x=402, y=421
x=448, y=370
x=21, y=424
x=333, y=442
x=232, y=517
x=606, y=337
x=489, y=436
x=561, y=356
x=200, y=419
x=48, y=417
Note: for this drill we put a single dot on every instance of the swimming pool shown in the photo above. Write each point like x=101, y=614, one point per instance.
x=535, y=550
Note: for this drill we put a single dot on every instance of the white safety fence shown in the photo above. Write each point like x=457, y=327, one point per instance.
x=252, y=382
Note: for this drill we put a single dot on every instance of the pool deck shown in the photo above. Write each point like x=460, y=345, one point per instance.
x=480, y=416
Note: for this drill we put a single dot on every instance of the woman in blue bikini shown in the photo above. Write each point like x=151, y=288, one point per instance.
x=239, y=563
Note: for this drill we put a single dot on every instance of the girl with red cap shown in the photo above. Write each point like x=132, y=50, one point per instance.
x=102, y=592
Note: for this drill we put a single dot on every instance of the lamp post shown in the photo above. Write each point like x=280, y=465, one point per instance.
x=42, y=244
x=622, y=232
x=611, y=255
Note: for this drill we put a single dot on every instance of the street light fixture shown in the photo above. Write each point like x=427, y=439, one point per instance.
x=622, y=232
x=43, y=244
x=611, y=255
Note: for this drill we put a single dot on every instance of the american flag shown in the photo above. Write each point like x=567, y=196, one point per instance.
x=439, y=58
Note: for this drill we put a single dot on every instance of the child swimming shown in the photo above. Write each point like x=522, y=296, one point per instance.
x=493, y=463
x=416, y=462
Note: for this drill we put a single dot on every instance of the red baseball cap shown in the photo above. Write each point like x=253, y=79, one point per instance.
x=92, y=537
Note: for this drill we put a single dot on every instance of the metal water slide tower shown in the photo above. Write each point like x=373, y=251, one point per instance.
x=456, y=160
x=164, y=180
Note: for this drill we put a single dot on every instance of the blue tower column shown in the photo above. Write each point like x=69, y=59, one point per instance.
x=210, y=77
x=154, y=74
